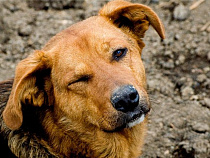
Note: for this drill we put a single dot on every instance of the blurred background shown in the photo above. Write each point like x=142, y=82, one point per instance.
x=178, y=68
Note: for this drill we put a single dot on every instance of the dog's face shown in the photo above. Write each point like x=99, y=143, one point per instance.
x=92, y=72
x=101, y=75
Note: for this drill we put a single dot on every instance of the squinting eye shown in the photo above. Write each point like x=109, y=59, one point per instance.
x=84, y=78
x=119, y=53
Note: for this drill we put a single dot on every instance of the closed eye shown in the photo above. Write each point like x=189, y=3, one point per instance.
x=84, y=78
x=119, y=53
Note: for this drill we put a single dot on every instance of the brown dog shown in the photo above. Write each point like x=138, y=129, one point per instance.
x=84, y=94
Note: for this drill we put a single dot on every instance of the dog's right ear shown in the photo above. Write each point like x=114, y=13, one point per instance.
x=132, y=17
x=29, y=87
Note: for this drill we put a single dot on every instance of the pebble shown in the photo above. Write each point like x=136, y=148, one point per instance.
x=194, y=29
x=168, y=41
x=194, y=97
x=185, y=145
x=189, y=82
x=181, y=81
x=166, y=152
x=181, y=12
x=200, y=127
x=25, y=31
x=206, y=69
x=180, y=60
x=207, y=102
x=201, y=78
x=187, y=92
x=207, y=83
x=177, y=37
x=169, y=53
x=169, y=64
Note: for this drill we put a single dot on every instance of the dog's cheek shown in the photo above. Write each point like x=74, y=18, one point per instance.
x=79, y=88
x=99, y=114
x=92, y=113
x=69, y=103
x=111, y=121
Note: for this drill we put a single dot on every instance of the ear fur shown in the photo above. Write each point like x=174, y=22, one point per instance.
x=25, y=90
x=136, y=17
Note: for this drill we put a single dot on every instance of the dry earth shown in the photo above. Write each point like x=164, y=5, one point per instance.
x=178, y=68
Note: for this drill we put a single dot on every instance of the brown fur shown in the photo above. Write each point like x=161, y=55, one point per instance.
x=19, y=142
x=61, y=116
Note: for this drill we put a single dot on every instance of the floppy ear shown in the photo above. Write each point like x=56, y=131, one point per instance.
x=131, y=17
x=29, y=88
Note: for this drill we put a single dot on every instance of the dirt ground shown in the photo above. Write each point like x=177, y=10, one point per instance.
x=178, y=68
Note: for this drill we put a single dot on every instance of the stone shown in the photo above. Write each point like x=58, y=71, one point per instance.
x=169, y=53
x=187, y=92
x=169, y=64
x=181, y=12
x=200, y=127
x=207, y=102
x=206, y=69
x=25, y=30
x=180, y=60
x=201, y=78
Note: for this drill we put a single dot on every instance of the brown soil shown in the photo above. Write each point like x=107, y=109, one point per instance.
x=178, y=68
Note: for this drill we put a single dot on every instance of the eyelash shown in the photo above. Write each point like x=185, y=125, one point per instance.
x=85, y=78
x=119, y=53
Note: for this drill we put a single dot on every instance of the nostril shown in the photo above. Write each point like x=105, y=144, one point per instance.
x=120, y=105
x=133, y=96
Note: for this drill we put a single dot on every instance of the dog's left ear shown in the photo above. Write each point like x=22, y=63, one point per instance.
x=31, y=86
x=131, y=17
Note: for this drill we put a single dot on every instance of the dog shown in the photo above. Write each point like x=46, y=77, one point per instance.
x=84, y=94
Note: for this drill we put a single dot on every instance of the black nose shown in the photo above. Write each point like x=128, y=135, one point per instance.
x=125, y=98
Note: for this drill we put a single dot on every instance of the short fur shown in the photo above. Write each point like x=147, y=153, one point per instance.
x=59, y=104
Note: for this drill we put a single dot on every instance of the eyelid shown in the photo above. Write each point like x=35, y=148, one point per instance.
x=83, y=78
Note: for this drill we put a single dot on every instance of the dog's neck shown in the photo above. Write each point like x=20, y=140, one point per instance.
x=95, y=143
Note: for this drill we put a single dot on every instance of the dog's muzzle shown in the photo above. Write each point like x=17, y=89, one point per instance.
x=126, y=100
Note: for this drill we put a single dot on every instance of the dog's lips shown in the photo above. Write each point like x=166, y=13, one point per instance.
x=136, y=119
x=129, y=120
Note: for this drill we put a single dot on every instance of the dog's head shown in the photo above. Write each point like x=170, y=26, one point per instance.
x=91, y=73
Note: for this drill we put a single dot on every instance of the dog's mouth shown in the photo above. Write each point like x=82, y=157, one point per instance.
x=136, y=119
x=128, y=120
